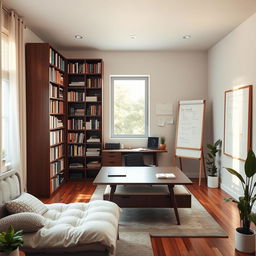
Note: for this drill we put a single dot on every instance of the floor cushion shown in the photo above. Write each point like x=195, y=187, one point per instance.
x=94, y=224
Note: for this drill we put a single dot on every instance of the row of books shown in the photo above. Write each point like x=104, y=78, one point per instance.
x=56, y=60
x=77, y=83
x=56, y=152
x=56, y=182
x=57, y=167
x=75, y=150
x=76, y=67
x=92, y=151
x=93, y=83
x=56, y=137
x=92, y=124
x=76, y=96
x=93, y=67
x=76, y=137
x=53, y=91
x=56, y=107
x=55, y=76
x=93, y=110
x=75, y=124
x=55, y=122
x=76, y=111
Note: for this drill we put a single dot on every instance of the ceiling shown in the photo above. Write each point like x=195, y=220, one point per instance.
x=157, y=24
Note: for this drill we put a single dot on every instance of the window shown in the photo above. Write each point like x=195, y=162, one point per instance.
x=129, y=106
x=4, y=106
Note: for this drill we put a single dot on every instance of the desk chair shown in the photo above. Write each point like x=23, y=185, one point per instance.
x=134, y=160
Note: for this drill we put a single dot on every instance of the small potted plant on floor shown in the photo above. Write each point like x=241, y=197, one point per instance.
x=245, y=237
x=10, y=241
x=212, y=178
x=162, y=145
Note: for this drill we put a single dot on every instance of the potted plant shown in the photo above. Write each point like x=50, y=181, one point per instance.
x=162, y=145
x=212, y=178
x=10, y=242
x=245, y=237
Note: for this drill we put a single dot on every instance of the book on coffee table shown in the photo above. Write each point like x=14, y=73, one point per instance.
x=117, y=173
x=165, y=175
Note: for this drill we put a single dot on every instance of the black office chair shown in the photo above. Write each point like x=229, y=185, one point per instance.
x=134, y=160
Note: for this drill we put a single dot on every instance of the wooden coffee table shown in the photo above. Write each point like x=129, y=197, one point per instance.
x=143, y=176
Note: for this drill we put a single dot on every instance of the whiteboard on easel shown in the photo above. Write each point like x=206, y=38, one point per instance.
x=190, y=128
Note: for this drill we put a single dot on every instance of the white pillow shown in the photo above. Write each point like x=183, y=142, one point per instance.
x=26, y=221
x=26, y=203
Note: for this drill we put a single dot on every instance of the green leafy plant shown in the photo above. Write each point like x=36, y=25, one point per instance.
x=246, y=202
x=210, y=160
x=10, y=240
x=162, y=140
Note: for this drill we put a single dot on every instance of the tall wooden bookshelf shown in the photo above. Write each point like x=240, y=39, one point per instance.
x=45, y=94
x=64, y=118
x=84, y=118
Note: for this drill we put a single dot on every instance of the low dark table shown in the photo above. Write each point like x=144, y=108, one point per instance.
x=143, y=176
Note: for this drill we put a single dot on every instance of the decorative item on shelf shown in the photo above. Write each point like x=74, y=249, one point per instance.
x=162, y=145
x=153, y=142
x=10, y=241
x=212, y=178
x=244, y=236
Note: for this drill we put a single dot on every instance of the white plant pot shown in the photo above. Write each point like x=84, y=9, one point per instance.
x=13, y=253
x=245, y=243
x=212, y=181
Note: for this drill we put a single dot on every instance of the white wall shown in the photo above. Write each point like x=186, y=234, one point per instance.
x=173, y=76
x=31, y=37
x=232, y=62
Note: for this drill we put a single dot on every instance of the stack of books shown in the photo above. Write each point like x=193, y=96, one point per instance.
x=82, y=83
x=93, y=164
x=93, y=139
x=76, y=165
x=93, y=152
x=91, y=98
x=77, y=111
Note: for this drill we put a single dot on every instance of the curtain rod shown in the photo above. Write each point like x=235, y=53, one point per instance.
x=5, y=9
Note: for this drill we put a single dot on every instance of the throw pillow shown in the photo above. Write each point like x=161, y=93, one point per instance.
x=26, y=203
x=26, y=221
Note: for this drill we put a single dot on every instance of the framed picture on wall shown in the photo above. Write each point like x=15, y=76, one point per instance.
x=238, y=122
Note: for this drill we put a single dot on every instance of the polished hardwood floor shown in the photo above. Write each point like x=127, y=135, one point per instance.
x=225, y=214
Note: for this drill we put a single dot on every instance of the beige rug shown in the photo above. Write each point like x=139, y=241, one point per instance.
x=136, y=224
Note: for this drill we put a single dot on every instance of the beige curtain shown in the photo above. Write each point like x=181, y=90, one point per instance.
x=17, y=96
x=1, y=19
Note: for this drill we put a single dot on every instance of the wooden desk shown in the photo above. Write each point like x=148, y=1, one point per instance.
x=113, y=157
x=143, y=176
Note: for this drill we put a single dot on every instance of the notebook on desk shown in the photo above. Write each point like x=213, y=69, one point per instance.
x=117, y=173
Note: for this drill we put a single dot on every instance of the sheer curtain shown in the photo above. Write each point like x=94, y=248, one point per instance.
x=17, y=118
x=1, y=18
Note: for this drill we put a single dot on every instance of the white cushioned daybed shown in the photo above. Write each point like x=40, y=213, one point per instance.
x=68, y=229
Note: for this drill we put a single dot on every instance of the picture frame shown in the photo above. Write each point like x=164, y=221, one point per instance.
x=153, y=142
x=238, y=122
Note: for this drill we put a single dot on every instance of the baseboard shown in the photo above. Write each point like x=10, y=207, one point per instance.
x=233, y=194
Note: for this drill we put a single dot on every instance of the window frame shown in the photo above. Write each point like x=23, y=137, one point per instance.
x=145, y=78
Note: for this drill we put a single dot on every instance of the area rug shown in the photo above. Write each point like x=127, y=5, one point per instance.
x=136, y=224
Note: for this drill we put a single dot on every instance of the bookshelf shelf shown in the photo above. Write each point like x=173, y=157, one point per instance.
x=56, y=84
x=56, y=129
x=57, y=159
x=57, y=144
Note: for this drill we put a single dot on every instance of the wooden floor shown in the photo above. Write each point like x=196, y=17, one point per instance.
x=225, y=214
